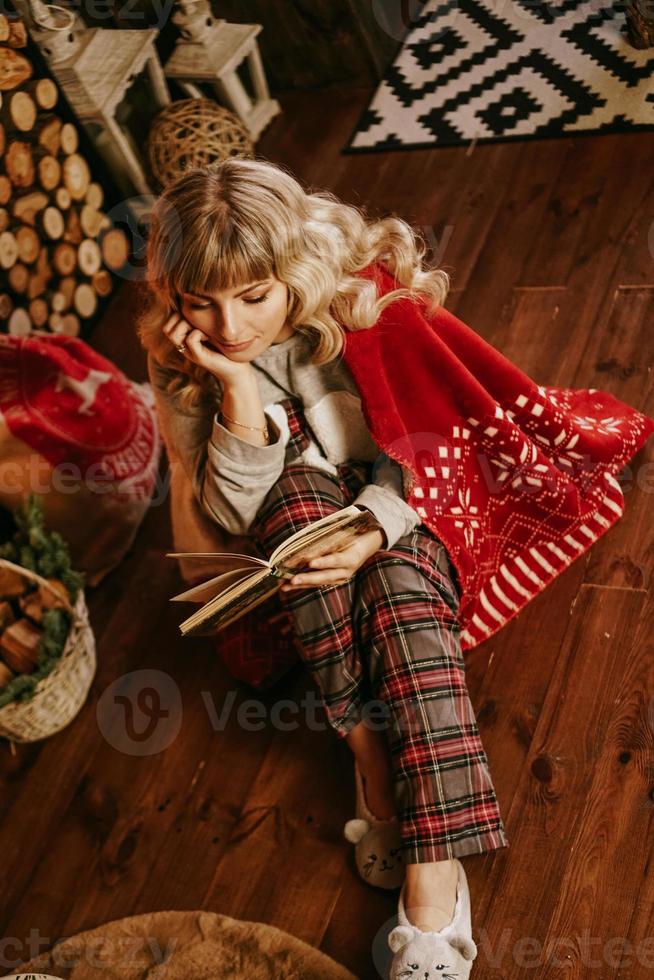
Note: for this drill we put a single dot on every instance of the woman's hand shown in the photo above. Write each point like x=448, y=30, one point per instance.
x=336, y=568
x=200, y=350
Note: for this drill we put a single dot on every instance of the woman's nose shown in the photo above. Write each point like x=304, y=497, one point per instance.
x=228, y=327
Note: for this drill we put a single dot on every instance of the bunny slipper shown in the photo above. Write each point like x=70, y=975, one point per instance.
x=378, y=850
x=446, y=954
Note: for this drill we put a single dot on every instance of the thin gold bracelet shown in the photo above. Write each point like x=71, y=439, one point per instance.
x=253, y=428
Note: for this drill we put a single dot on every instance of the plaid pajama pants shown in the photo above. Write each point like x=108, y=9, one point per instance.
x=384, y=647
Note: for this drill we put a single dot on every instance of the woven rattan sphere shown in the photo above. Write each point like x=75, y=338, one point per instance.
x=192, y=132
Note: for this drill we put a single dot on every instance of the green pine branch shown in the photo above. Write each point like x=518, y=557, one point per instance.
x=45, y=552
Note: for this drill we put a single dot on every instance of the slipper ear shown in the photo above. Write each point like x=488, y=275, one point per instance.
x=466, y=946
x=355, y=830
x=399, y=937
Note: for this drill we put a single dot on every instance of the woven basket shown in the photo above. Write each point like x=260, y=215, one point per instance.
x=59, y=696
x=194, y=132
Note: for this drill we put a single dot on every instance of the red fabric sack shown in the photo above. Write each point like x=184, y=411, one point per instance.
x=77, y=431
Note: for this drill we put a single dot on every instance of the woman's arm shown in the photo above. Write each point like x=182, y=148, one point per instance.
x=230, y=476
x=384, y=498
x=241, y=411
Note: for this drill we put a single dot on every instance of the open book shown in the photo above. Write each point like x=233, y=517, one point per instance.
x=248, y=581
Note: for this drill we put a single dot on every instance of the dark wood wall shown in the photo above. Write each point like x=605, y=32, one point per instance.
x=304, y=44
x=318, y=43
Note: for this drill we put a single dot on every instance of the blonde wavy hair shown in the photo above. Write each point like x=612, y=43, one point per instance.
x=241, y=219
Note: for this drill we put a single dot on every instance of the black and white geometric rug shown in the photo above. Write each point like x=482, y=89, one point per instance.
x=500, y=70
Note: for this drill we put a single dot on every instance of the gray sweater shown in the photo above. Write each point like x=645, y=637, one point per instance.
x=231, y=477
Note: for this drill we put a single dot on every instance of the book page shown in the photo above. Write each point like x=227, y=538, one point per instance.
x=336, y=519
x=323, y=539
x=230, y=605
x=207, y=590
x=216, y=556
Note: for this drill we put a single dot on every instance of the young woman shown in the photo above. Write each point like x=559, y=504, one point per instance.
x=255, y=283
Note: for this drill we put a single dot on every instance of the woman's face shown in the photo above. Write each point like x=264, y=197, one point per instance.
x=243, y=321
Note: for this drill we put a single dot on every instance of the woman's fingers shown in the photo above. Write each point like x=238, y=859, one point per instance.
x=200, y=350
x=192, y=341
x=330, y=577
x=326, y=561
x=191, y=337
x=172, y=320
x=181, y=332
x=171, y=323
x=333, y=568
x=177, y=332
x=338, y=567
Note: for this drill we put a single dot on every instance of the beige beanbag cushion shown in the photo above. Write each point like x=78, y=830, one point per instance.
x=186, y=946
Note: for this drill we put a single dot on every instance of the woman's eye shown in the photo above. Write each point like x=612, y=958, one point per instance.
x=206, y=306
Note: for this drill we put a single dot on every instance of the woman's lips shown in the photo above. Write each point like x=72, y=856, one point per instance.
x=237, y=346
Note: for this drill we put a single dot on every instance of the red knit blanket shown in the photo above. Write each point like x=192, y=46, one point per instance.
x=515, y=478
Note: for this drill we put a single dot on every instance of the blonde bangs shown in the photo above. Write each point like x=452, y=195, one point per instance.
x=210, y=263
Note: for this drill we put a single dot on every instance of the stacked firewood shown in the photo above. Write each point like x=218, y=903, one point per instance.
x=22, y=605
x=57, y=247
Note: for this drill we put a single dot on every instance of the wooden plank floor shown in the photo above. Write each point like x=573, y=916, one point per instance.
x=550, y=245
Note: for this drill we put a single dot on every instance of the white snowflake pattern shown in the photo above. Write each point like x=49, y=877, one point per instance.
x=466, y=517
x=609, y=426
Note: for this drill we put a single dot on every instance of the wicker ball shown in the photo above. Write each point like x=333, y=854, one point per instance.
x=193, y=132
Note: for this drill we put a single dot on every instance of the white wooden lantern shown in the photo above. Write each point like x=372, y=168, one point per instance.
x=209, y=51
